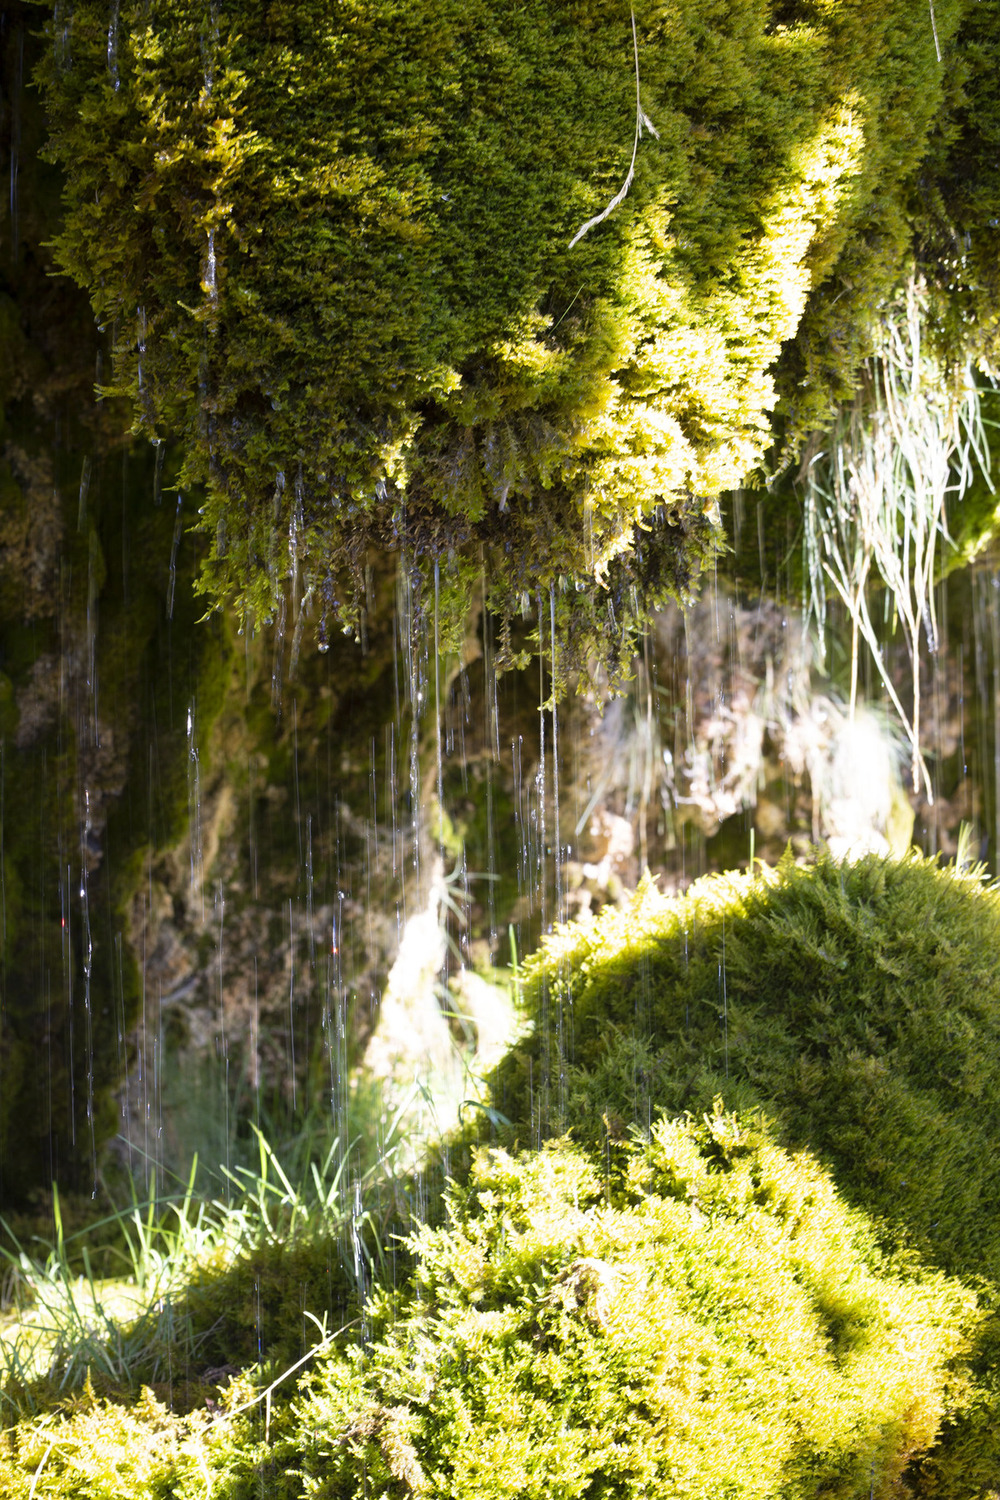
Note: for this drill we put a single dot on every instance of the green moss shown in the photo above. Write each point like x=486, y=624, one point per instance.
x=334, y=249
x=857, y=1002
x=702, y=1317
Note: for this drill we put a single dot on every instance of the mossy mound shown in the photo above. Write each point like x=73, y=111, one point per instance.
x=703, y=1316
x=338, y=252
x=858, y=1003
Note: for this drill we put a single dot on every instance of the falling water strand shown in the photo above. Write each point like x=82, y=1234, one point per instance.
x=15, y=143
x=88, y=964
x=172, y=581
x=437, y=700
x=516, y=746
x=309, y=896
x=555, y=757
x=161, y=453
x=113, y=47
x=295, y=778
x=725, y=996
x=210, y=51
x=194, y=815
x=540, y=779
x=295, y=527
x=140, y=321
x=210, y=279
x=81, y=513
x=416, y=703
x=545, y=1018
x=360, y=1263
x=291, y=1000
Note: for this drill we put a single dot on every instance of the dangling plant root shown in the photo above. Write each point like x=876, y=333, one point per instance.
x=875, y=499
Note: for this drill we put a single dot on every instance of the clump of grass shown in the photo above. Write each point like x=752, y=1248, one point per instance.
x=202, y=1284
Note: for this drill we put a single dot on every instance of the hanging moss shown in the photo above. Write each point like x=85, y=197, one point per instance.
x=334, y=250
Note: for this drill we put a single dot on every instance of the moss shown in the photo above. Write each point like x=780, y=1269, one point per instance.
x=856, y=1001
x=334, y=248
x=703, y=1316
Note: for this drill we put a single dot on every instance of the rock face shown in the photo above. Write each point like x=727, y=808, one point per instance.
x=91, y=659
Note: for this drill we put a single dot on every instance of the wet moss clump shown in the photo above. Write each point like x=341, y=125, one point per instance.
x=338, y=253
x=857, y=1003
x=702, y=1316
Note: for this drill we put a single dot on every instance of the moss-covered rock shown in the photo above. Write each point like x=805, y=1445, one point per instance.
x=338, y=252
x=859, y=1003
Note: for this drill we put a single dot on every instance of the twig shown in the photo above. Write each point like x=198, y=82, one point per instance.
x=641, y=119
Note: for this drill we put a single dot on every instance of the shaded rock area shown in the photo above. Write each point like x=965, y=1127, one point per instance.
x=95, y=675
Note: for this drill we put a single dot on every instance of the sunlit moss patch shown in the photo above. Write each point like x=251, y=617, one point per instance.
x=703, y=1316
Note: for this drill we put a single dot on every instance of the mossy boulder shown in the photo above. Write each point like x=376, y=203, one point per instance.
x=858, y=1003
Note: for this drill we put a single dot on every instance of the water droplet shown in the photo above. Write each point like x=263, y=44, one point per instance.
x=324, y=647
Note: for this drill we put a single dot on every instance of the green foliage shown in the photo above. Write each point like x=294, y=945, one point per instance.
x=702, y=1317
x=333, y=247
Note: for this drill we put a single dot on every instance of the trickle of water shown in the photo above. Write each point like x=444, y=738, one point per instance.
x=88, y=964
x=140, y=318
x=196, y=882
x=540, y=787
x=15, y=142
x=291, y=1001
x=437, y=699
x=113, y=47
x=172, y=580
x=210, y=278
x=81, y=515
x=555, y=759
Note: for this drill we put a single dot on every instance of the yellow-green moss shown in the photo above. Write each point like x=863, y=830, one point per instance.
x=702, y=1317
x=334, y=249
